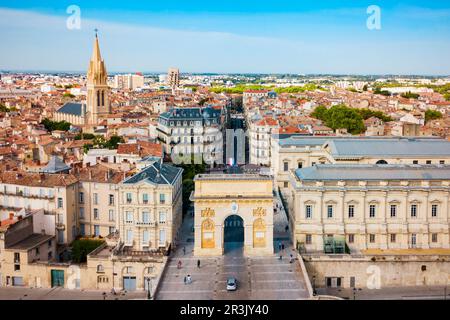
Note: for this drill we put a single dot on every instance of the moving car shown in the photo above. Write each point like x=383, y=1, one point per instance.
x=231, y=284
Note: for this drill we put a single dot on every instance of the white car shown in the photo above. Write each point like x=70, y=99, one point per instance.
x=231, y=284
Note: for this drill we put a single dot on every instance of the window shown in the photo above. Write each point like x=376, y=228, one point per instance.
x=434, y=237
x=308, y=211
x=414, y=210
x=162, y=217
x=95, y=198
x=100, y=268
x=82, y=230
x=96, y=230
x=372, y=211
x=111, y=199
x=111, y=215
x=351, y=238
x=300, y=165
x=285, y=184
x=415, y=162
x=162, y=237
x=49, y=243
x=96, y=215
x=111, y=230
x=393, y=211
x=434, y=210
x=285, y=166
x=145, y=217
x=162, y=198
x=129, y=270
x=81, y=213
x=372, y=238
x=129, y=216
x=351, y=211
x=129, y=237
x=413, y=240
x=330, y=211
x=145, y=237
x=128, y=197
x=308, y=239
x=60, y=203
x=428, y=161
x=37, y=251
x=81, y=197
x=393, y=237
x=16, y=257
x=145, y=198
x=49, y=255
x=442, y=162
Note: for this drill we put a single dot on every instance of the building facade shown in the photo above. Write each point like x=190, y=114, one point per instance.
x=391, y=207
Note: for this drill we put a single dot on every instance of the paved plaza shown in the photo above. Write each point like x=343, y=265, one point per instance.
x=257, y=277
x=57, y=293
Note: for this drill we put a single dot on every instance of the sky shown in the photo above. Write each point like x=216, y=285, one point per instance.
x=233, y=36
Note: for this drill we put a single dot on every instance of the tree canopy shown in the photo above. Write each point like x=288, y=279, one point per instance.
x=432, y=115
x=340, y=117
x=56, y=125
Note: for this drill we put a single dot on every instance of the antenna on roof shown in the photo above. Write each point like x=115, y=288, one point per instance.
x=96, y=32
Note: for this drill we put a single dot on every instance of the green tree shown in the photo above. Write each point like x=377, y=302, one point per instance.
x=340, y=117
x=82, y=247
x=410, y=95
x=432, y=115
x=55, y=125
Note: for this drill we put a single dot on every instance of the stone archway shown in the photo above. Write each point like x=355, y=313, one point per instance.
x=233, y=232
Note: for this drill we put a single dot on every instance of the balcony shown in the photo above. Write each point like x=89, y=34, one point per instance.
x=146, y=223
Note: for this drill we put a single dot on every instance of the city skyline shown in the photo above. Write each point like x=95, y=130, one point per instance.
x=298, y=39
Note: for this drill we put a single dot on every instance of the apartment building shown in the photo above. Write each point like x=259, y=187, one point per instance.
x=150, y=207
x=98, y=200
x=370, y=207
x=54, y=193
x=192, y=131
x=260, y=133
x=128, y=81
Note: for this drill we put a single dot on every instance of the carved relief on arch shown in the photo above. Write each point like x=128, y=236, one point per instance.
x=259, y=233
x=208, y=239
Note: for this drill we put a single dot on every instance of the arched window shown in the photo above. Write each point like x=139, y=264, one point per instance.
x=100, y=268
x=98, y=98
x=103, y=98
x=382, y=162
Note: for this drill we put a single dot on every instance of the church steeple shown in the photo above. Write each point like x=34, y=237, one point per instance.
x=97, y=87
x=97, y=70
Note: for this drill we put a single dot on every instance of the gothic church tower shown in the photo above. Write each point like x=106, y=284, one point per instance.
x=97, y=103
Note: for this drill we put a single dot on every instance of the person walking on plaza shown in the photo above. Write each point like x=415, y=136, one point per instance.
x=279, y=246
x=292, y=258
x=189, y=280
x=198, y=263
x=185, y=280
x=281, y=257
x=179, y=264
x=184, y=251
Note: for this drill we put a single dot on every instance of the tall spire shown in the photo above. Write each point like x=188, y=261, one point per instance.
x=97, y=70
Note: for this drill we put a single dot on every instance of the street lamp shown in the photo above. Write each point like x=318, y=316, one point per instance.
x=354, y=293
x=149, y=288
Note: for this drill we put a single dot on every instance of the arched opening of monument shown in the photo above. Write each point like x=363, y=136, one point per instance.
x=233, y=233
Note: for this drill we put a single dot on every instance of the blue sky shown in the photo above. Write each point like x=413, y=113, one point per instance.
x=230, y=36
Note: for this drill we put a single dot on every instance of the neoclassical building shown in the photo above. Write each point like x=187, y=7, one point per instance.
x=361, y=207
x=233, y=200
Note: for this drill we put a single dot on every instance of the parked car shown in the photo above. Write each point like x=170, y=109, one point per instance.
x=231, y=284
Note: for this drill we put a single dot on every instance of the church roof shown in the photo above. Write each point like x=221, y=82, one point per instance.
x=55, y=165
x=158, y=173
x=73, y=108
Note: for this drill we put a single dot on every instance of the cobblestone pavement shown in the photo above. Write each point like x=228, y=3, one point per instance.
x=257, y=277
x=16, y=293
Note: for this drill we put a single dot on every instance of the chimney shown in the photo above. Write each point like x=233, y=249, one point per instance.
x=106, y=175
x=90, y=174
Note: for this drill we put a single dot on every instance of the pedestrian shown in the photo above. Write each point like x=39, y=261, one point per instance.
x=184, y=251
x=189, y=280
x=279, y=246
x=185, y=280
x=282, y=246
x=292, y=258
x=281, y=257
x=179, y=264
x=286, y=228
x=198, y=263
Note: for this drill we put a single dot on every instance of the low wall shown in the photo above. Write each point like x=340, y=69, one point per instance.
x=380, y=271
